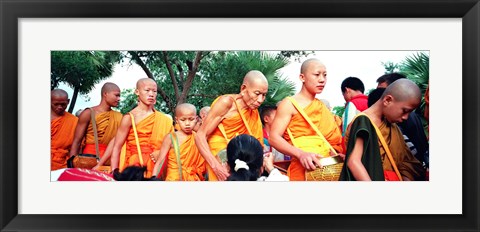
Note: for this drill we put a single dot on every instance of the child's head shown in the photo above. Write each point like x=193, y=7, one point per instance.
x=186, y=117
x=399, y=99
x=245, y=158
x=267, y=114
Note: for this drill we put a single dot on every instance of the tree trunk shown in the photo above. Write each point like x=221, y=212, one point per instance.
x=74, y=99
x=191, y=75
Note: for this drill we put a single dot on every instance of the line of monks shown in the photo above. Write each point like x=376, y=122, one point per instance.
x=191, y=149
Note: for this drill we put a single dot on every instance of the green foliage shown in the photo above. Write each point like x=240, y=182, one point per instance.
x=219, y=72
x=390, y=67
x=295, y=54
x=338, y=110
x=81, y=70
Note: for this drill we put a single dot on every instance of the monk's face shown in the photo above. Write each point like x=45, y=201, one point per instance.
x=398, y=111
x=59, y=104
x=315, y=77
x=112, y=97
x=254, y=93
x=147, y=92
x=186, y=119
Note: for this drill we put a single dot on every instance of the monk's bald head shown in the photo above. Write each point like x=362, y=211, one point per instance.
x=109, y=87
x=59, y=93
x=308, y=63
x=185, y=108
x=254, y=77
x=403, y=90
x=59, y=101
x=141, y=82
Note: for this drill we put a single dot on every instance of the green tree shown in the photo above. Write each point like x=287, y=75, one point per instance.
x=338, y=110
x=218, y=73
x=81, y=70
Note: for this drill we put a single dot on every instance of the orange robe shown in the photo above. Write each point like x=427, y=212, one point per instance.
x=193, y=164
x=325, y=122
x=62, y=130
x=233, y=126
x=107, y=125
x=151, y=132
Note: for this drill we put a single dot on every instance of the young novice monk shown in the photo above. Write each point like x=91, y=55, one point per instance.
x=181, y=155
x=151, y=127
x=366, y=158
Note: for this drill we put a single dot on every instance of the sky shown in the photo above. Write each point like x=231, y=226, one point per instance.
x=366, y=65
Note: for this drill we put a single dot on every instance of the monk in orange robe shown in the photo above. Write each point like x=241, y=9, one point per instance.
x=151, y=127
x=62, y=126
x=313, y=74
x=107, y=122
x=231, y=115
x=184, y=161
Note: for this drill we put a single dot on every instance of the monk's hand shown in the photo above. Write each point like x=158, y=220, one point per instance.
x=221, y=172
x=309, y=161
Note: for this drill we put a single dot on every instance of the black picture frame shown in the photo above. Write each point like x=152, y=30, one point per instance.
x=11, y=11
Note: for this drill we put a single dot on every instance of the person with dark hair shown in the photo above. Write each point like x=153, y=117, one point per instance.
x=230, y=115
x=267, y=114
x=356, y=102
x=375, y=95
x=62, y=128
x=365, y=159
x=246, y=161
x=387, y=79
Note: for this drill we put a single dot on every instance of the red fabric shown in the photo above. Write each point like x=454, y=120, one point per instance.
x=360, y=101
x=82, y=174
x=390, y=176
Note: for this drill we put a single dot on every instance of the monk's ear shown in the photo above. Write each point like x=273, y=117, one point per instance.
x=387, y=99
x=243, y=87
x=302, y=77
x=136, y=92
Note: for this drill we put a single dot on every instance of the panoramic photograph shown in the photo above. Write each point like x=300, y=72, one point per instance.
x=239, y=115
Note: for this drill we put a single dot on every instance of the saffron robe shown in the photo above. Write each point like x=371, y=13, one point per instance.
x=107, y=125
x=326, y=124
x=233, y=126
x=374, y=157
x=62, y=130
x=151, y=131
x=193, y=164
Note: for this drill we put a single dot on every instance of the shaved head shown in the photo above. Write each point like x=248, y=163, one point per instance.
x=403, y=90
x=108, y=87
x=142, y=81
x=306, y=64
x=59, y=101
x=254, y=76
x=185, y=107
x=59, y=93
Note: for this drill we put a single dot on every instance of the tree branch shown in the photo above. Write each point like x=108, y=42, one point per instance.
x=191, y=75
x=180, y=71
x=171, y=73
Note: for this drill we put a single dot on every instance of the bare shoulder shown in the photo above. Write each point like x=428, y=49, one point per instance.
x=285, y=107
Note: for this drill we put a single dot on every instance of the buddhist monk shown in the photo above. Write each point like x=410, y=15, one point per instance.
x=107, y=122
x=313, y=75
x=366, y=158
x=181, y=155
x=203, y=114
x=151, y=127
x=62, y=127
x=231, y=115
